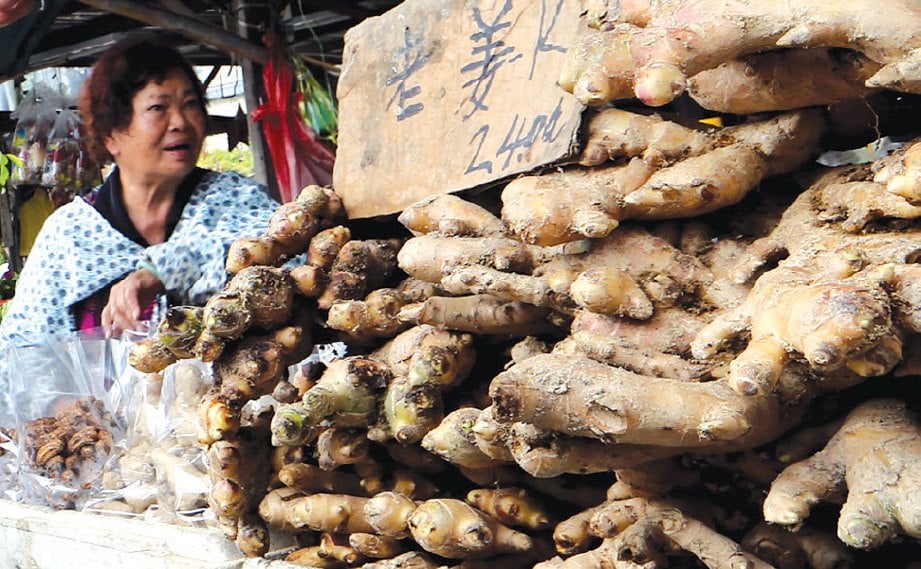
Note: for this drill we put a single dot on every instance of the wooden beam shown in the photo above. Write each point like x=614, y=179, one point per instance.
x=87, y=30
x=62, y=56
x=189, y=27
x=211, y=75
x=331, y=67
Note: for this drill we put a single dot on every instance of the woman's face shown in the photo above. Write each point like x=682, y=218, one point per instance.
x=164, y=138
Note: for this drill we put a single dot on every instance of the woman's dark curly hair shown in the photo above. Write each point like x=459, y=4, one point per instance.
x=118, y=74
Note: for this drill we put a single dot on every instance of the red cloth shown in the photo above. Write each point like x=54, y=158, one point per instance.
x=299, y=158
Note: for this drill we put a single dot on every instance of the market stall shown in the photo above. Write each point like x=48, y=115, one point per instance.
x=593, y=285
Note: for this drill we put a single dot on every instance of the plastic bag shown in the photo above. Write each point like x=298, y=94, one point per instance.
x=70, y=412
x=34, y=119
x=8, y=451
x=161, y=473
x=68, y=171
x=128, y=484
x=178, y=459
x=8, y=463
x=62, y=158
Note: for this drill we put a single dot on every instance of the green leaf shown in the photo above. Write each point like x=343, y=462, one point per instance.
x=5, y=161
x=317, y=108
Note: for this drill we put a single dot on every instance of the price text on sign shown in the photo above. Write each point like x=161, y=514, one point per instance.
x=442, y=96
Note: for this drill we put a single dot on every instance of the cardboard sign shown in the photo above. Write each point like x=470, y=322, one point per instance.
x=439, y=96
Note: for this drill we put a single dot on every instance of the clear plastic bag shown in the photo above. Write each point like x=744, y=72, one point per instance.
x=8, y=463
x=178, y=459
x=129, y=481
x=62, y=157
x=160, y=473
x=70, y=412
x=34, y=118
x=8, y=450
x=68, y=170
x=89, y=174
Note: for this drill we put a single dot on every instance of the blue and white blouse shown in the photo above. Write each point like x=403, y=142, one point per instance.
x=78, y=252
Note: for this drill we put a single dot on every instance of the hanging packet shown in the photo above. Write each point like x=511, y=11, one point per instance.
x=34, y=119
x=62, y=158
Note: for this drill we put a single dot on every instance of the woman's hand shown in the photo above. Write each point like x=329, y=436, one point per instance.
x=128, y=299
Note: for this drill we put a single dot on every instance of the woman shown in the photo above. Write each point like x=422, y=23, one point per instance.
x=157, y=227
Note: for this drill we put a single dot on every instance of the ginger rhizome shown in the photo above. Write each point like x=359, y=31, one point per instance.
x=662, y=170
x=637, y=532
x=649, y=50
x=69, y=447
x=869, y=460
x=837, y=297
x=657, y=352
x=290, y=229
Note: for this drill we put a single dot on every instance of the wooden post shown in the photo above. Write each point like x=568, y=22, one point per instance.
x=251, y=17
x=9, y=228
x=6, y=220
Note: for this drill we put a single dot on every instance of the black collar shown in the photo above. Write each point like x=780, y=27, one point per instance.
x=110, y=205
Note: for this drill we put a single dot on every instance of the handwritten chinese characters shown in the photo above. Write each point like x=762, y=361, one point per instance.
x=440, y=96
x=492, y=54
x=410, y=59
x=523, y=132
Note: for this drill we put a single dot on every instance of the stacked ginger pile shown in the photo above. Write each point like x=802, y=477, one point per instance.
x=637, y=364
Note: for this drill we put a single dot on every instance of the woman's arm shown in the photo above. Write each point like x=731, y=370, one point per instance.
x=75, y=254
x=129, y=298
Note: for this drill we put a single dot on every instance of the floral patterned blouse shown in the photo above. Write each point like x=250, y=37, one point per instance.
x=79, y=253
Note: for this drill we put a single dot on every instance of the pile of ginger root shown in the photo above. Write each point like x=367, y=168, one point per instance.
x=689, y=347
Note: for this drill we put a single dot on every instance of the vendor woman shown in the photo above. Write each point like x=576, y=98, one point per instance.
x=157, y=228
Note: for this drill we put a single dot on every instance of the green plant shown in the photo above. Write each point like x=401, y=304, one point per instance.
x=316, y=105
x=239, y=160
x=7, y=161
x=7, y=281
x=7, y=277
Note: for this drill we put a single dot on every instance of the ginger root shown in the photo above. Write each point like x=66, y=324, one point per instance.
x=783, y=80
x=651, y=51
x=583, y=398
x=291, y=226
x=807, y=547
x=664, y=172
x=870, y=463
x=238, y=467
x=647, y=533
x=453, y=529
x=450, y=215
x=292, y=510
x=837, y=298
x=511, y=506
